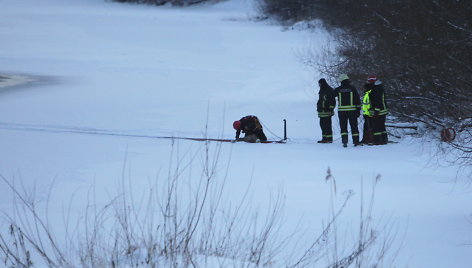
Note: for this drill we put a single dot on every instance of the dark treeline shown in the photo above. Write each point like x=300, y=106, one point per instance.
x=421, y=49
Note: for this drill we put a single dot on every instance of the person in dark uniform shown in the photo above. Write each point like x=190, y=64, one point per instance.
x=325, y=108
x=349, y=105
x=380, y=109
x=251, y=127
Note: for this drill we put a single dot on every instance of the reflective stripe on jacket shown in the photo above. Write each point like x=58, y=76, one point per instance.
x=348, y=98
x=326, y=101
x=379, y=104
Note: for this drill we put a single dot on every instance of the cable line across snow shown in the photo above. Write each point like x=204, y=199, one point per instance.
x=102, y=132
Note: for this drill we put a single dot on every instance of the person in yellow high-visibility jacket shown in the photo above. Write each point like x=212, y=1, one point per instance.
x=367, y=112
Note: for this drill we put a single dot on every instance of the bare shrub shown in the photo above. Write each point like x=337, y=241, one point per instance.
x=182, y=221
x=421, y=50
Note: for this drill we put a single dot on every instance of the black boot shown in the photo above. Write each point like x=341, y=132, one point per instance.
x=344, y=139
x=378, y=140
x=326, y=140
x=355, y=140
x=385, y=138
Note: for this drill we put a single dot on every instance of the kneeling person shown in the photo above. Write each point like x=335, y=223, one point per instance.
x=251, y=127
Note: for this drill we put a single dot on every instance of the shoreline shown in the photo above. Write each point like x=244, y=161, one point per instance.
x=14, y=80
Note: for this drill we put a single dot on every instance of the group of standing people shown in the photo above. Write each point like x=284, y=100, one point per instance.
x=373, y=106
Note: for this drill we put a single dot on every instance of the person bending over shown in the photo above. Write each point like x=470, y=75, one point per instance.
x=251, y=127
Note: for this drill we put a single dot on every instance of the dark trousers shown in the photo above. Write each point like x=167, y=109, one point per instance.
x=380, y=132
x=344, y=118
x=258, y=133
x=367, y=133
x=326, y=128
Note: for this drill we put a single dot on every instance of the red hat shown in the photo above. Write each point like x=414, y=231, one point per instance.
x=237, y=125
x=371, y=78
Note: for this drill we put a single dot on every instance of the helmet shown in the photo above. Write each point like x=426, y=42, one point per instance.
x=371, y=78
x=343, y=77
x=237, y=125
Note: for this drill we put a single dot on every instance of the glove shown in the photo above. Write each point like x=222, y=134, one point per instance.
x=358, y=113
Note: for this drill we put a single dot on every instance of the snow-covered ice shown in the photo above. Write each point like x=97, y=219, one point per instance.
x=160, y=71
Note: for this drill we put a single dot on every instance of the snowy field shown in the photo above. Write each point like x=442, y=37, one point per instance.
x=130, y=70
